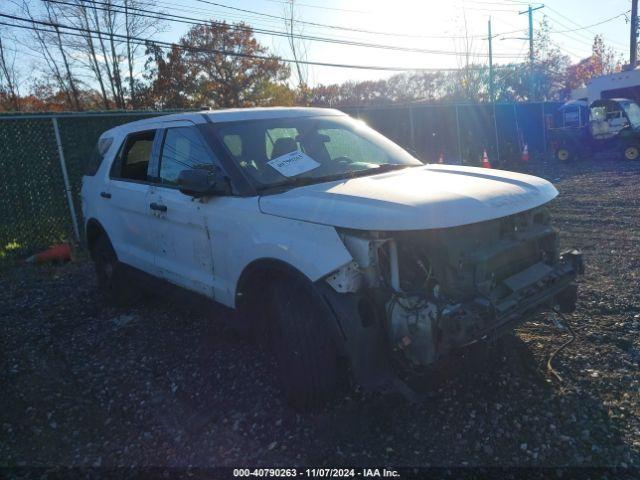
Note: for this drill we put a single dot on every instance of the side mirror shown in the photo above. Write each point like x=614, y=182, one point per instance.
x=200, y=182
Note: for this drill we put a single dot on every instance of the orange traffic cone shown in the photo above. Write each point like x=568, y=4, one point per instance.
x=60, y=252
x=525, y=153
x=485, y=160
x=441, y=157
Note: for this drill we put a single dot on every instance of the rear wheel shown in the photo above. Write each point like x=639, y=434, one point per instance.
x=306, y=353
x=110, y=273
x=564, y=154
x=631, y=152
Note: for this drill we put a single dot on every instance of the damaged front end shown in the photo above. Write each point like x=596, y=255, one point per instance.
x=410, y=298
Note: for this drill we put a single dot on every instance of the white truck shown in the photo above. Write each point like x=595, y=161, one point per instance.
x=352, y=255
x=624, y=84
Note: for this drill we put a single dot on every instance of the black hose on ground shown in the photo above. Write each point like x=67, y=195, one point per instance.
x=561, y=347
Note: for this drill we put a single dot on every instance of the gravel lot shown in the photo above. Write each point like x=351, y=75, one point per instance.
x=85, y=383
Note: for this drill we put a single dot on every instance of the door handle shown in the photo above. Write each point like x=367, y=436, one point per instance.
x=159, y=207
x=105, y=194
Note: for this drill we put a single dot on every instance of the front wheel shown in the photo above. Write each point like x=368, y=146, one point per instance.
x=304, y=347
x=631, y=152
x=564, y=154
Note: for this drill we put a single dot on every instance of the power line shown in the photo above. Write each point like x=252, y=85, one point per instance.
x=147, y=41
x=560, y=47
x=623, y=14
x=570, y=20
x=196, y=21
x=577, y=30
x=585, y=36
x=337, y=27
x=580, y=28
x=323, y=7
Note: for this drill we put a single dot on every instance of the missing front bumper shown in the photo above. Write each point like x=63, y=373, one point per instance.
x=364, y=330
x=420, y=336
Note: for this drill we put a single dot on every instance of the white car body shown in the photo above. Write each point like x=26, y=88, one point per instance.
x=206, y=245
x=297, y=226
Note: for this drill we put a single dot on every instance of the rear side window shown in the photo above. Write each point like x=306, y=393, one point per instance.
x=133, y=161
x=182, y=150
x=97, y=155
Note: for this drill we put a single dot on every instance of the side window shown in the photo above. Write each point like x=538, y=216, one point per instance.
x=571, y=117
x=182, y=149
x=133, y=161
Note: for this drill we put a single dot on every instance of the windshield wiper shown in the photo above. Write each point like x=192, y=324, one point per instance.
x=303, y=181
x=386, y=167
x=292, y=183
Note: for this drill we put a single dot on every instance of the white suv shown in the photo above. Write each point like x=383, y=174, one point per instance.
x=354, y=256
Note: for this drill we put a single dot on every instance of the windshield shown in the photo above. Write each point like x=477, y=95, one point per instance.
x=633, y=112
x=302, y=150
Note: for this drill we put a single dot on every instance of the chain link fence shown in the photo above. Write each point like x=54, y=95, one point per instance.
x=43, y=169
x=34, y=195
x=461, y=133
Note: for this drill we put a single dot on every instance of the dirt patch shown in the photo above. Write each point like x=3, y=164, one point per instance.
x=85, y=383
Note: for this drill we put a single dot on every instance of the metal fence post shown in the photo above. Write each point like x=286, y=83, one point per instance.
x=544, y=129
x=412, y=129
x=518, y=132
x=65, y=176
x=495, y=128
x=458, y=136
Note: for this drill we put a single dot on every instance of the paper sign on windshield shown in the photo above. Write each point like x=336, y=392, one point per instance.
x=293, y=163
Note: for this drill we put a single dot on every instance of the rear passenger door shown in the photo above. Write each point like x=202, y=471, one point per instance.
x=127, y=215
x=184, y=254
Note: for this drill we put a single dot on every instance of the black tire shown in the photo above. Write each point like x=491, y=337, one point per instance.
x=631, y=152
x=307, y=357
x=112, y=279
x=564, y=154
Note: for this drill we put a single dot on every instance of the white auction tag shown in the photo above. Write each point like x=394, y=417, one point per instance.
x=293, y=163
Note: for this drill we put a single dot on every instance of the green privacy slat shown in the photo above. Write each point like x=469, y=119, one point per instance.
x=34, y=212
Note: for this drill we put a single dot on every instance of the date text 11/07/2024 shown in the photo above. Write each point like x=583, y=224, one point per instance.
x=317, y=472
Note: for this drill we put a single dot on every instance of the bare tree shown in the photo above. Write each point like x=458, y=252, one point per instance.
x=80, y=15
x=103, y=46
x=129, y=23
x=8, y=78
x=52, y=16
x=121, y=24
x=45, y=46
x=111, y=28
x=469, y=82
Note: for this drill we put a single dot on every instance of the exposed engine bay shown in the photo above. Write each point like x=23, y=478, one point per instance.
x=434, y=291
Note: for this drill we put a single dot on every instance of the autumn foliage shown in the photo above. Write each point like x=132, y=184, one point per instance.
x=219, y=65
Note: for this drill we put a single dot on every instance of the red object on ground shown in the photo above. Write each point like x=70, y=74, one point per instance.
x=525, y=153
x=485, y=160
x=441, y=157
x=60, y=253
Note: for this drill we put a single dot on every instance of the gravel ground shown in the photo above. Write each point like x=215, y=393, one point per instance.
x=87, y=384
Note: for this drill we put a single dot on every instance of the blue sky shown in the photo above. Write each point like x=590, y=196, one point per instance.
x=419, y=22
x=431, y=25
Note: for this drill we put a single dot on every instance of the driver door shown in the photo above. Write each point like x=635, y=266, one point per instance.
x=184, y=255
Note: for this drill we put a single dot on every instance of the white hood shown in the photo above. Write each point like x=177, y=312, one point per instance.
x=433, y=196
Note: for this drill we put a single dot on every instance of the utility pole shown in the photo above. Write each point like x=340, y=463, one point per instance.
x=633, y=44
x=491, y=90
x=531, y=54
